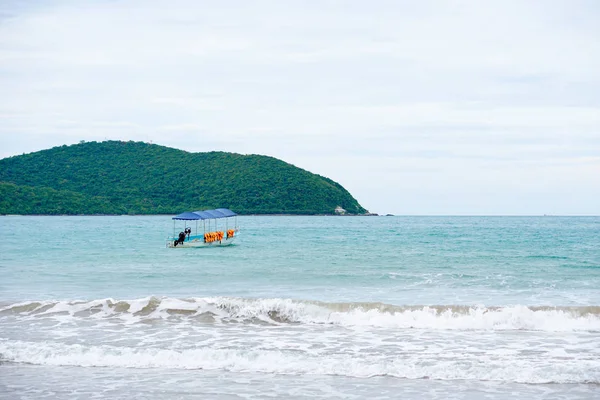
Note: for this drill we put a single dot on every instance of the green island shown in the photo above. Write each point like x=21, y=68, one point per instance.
x=118, y=177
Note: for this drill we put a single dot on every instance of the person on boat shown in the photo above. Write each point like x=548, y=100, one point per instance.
x=188, y=232
x=180, y=239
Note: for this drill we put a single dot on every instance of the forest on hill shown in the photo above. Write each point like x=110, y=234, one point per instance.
x=116, y=177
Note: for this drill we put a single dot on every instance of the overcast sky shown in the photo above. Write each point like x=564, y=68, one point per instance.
x=415, y=107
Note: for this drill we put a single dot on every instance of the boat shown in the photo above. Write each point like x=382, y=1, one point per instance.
x=218, y=228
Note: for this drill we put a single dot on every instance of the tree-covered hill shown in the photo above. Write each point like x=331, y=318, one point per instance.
x=116, y=177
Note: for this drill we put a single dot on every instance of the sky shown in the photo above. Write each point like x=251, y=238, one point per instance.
x=415, y=107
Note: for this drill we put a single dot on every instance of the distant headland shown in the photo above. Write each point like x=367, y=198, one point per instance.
x=118, y=177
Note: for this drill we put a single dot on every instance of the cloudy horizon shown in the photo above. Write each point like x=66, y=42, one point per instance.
x=417, y=108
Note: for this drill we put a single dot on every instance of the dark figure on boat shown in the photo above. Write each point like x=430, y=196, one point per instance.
x=180, y=239
x=188, y=232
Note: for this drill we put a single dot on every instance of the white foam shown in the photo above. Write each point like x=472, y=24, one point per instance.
x=137, y=305
x=478, y=318
x=474, y=318
x=277, y=311
x=412, y=366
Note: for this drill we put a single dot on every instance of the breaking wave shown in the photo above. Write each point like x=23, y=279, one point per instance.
x=276, y=361
x=286, y=311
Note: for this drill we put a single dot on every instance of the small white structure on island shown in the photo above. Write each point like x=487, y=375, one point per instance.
x=340, y=211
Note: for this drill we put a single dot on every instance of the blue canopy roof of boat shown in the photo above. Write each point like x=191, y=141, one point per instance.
x=205, y=214
x=188, y=215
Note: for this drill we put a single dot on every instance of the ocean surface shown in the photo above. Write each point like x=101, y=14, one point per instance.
x=301, y=308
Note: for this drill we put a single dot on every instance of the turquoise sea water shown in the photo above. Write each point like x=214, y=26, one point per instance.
x=301, y=307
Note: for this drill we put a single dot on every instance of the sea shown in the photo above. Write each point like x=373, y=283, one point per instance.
x=301, y=307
